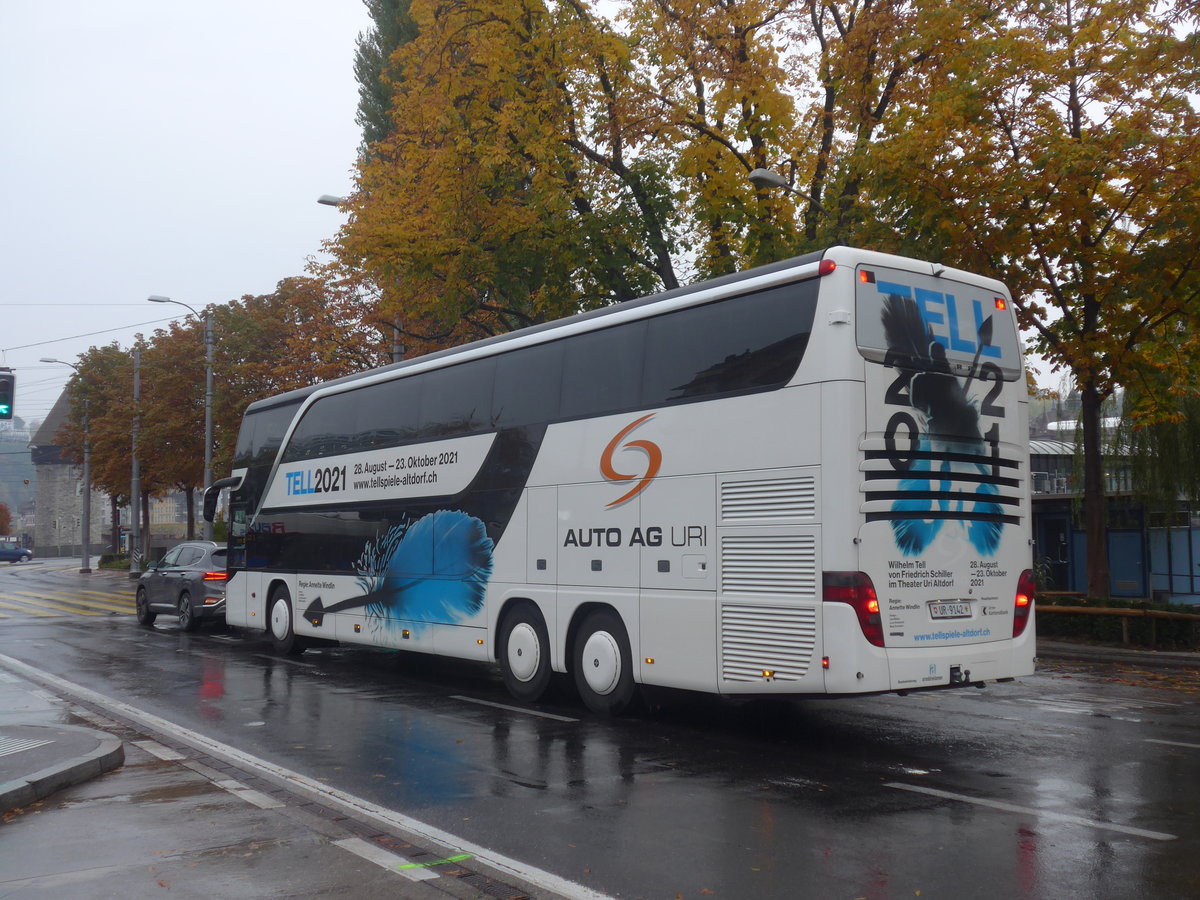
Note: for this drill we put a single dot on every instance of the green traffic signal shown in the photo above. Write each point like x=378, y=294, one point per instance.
x=7, y=388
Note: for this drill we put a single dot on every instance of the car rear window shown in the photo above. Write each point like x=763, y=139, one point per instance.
x=218, y=557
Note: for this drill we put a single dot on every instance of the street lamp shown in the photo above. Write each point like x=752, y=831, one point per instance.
x=208, y=393
x=85, y=523
x=767, y=178
x=330, y=200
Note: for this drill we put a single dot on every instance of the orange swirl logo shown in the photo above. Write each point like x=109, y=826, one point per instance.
x=653, y=463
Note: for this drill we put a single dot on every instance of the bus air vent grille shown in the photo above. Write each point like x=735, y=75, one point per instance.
x=758, y=639
x=773, y=499
x=769, y=564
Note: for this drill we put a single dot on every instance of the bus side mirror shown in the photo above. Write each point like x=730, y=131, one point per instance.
x=214, y=493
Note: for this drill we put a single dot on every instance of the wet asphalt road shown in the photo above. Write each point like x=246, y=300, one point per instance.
x=1076, y=782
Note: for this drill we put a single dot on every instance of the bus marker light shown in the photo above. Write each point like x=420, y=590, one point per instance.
x=1001, y=303
x=479, y=641
x=768, y=674
x=866, y=277
x=826, y=267
x=406, y=634
x=649, y=660
x=824, y=662
x=357, y=628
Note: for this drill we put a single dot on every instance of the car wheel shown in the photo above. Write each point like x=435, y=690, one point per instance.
x=188, y=620
x=525, y=653
x=145, y=615
x=283, y=635
x=603, y=667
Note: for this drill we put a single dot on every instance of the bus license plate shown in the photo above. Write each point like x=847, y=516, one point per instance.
x=950, y=610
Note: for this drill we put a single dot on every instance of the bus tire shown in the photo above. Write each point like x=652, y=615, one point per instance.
x=145, y=615
x=524, y=653
x=283, y=635
x=603, y=665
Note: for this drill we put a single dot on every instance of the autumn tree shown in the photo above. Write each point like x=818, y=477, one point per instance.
x=392, y=26
x=5, y=519
x=501, y=196
x=303, y=332
x=100, y=391
x=172, y=412
x=1064, y=158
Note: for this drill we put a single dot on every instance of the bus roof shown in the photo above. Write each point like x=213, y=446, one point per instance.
x=299, y=394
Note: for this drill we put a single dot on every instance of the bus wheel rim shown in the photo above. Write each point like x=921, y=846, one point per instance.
x=524, y=652
x=601, y=662
x=279, y=619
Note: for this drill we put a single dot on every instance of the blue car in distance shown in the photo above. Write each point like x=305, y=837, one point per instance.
x=11, y=553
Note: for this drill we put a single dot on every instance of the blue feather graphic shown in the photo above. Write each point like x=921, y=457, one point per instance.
x=950, y=426
x=435, y=569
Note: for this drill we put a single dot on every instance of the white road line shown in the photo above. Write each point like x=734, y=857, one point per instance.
x=516, y=709
x=154, y=748
x=1172, y=743
x=258, y=798
x=285, y=659
x=385, y=858
x=1031, y=811
x=323, y=793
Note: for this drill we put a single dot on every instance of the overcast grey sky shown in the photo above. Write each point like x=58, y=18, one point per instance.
x=155, y=147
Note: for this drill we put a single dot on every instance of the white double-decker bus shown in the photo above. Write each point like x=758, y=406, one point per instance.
x=807, y=478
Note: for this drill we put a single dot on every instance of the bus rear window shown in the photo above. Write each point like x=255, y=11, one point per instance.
x=901, y=316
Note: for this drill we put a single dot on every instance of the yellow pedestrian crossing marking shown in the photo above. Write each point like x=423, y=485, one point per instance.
x=107, y=602
x=51, y=603
x=34, y=611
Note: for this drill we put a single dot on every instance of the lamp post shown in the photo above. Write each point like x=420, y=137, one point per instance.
x=85, y=521
x=208, y=393
x=135, y=472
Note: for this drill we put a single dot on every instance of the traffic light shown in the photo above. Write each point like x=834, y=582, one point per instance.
x=8, y=386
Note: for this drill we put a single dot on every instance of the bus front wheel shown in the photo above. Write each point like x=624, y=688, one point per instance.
x=603, y=667
x=525, y=653
x=283, y=636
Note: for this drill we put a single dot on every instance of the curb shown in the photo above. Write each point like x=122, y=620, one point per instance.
x=64, y=754
x=1149, y=658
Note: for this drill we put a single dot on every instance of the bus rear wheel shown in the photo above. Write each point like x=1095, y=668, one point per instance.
x=283, y=636
x=603, y=667
x=525, y=653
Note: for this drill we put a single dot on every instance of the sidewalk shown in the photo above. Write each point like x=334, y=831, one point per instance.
x=39, y=756
x=137, y=818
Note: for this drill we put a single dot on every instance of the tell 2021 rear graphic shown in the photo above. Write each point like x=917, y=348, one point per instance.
x=806, y=478
x=945, y=464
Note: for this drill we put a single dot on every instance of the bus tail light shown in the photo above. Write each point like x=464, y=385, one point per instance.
x=856, y=589
x=1023, y=603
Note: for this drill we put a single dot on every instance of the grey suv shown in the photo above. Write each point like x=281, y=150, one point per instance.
x=188, y=582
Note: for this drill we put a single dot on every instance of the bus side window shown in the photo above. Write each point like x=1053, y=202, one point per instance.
x=457, y=400
x=602, y=371
x=528, y=385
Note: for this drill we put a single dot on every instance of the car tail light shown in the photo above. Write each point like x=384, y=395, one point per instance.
x=1023, y=603
x=215, y=576
x=856, y=589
